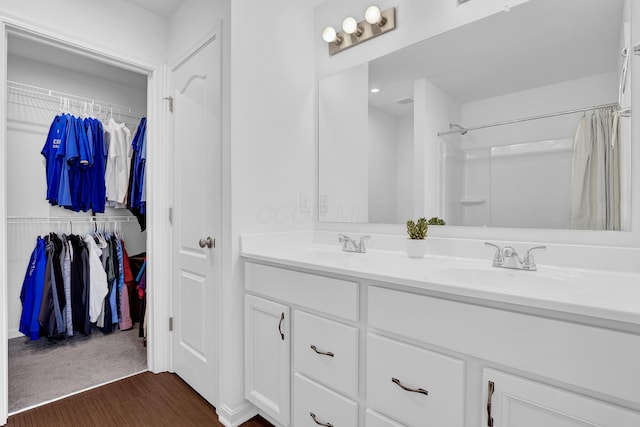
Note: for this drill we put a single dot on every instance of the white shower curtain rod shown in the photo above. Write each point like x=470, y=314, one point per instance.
x=626, y=112
x=51, y=95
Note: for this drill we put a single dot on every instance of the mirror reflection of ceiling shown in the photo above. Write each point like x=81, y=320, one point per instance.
x=504, y=53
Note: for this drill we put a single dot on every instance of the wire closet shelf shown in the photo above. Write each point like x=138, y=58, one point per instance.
x=61, y=101
x=74, y=219
x=624, y=112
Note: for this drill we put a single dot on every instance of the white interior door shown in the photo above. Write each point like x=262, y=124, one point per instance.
x=197, y=101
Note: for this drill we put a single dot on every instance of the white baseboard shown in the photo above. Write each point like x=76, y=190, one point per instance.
x=229, y=417
x=14, y=333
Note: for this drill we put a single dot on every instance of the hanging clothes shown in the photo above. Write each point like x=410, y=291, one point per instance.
x=57, y=136
x=118, y=137
x=73, y=282
x=31, y=292
x=97, y=144
x=98, y=281
x=137, y=180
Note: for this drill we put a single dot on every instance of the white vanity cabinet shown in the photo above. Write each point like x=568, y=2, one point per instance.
x=414, y=358
x=267, y=367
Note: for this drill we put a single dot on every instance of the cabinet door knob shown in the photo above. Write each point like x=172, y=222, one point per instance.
x=315, y=420
x=324, y=353
x=412, y=390
x=280, y=326
x=489, y=396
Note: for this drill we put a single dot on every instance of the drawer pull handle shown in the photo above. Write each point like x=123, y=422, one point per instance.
x=413, y=390
x=315, y=420
x=489, y=396
x=280, y=326
x=324, y=353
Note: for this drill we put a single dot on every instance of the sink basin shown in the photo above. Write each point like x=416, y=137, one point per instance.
x=499, y=278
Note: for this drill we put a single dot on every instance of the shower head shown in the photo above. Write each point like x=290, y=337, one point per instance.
x=462, y=130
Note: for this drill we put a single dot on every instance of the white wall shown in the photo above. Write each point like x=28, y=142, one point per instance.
x=383, y=173
x=433, y=111
x=343, y=130
x=114, y=26
x=404, y=168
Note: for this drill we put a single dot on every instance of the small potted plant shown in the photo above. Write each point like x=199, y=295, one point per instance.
x=416, y=243
x=435, y=221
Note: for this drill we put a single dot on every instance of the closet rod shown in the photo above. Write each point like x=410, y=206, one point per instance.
x=57, y=96
x=85, y=219
x=462, y=130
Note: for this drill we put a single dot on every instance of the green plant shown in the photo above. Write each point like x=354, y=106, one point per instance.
x=436, y=221
x=417, y=230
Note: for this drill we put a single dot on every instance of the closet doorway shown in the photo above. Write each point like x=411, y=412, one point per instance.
x=45, y=80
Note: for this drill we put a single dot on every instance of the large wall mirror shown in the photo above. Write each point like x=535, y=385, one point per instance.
x=521, y=119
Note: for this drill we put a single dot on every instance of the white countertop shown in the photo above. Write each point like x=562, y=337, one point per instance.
x=595, y=293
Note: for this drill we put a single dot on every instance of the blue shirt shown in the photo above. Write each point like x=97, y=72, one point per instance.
x=98, y=189
x=57, y=134
x=32, y=289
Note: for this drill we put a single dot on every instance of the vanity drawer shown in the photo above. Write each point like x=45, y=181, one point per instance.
x=594, y=358
x=373, y=419
x=442, y=377
x=332, y=296
x=340, y=371
x=326, y=405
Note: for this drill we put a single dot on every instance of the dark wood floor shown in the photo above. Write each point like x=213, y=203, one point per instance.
x=142, y=400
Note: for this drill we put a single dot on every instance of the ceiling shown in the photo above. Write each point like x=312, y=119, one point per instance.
x=538, y=43
x=164, y=8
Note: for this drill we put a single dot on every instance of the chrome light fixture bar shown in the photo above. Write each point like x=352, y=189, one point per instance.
x=376, y=22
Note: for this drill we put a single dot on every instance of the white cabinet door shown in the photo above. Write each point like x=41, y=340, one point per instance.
x=519, y=402
x=266, y=340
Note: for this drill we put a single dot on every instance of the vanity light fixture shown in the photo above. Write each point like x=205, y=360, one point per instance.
x=373, y=16
x=330, y=36
x=375, y=22
x=350, y=26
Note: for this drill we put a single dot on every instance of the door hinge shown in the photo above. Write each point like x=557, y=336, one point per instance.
x=170, y=99
x=170, y=324
x=171, y=216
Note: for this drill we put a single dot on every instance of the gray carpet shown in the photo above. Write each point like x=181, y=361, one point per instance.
x=40, y=370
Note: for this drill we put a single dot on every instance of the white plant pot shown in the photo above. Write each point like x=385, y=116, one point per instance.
x=416, y=248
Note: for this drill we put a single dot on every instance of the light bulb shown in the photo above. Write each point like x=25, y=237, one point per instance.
x=373, y=16
x=350, y=25
x=329, y=34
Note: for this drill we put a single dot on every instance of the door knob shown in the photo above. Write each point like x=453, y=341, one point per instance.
x=207, y=243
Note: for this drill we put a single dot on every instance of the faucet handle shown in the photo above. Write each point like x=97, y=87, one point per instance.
x=362, y=245
x=528, y=262
x=497, y=257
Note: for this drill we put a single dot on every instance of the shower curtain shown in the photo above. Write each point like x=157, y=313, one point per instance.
x=595, y=173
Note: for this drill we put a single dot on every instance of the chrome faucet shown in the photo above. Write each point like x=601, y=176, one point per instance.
x=350, y=245
x=508, y=257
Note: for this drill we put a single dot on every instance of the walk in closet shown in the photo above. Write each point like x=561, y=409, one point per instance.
x=45, y=80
